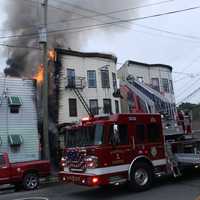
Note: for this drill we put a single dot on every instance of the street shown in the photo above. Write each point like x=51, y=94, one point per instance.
x=186, y=188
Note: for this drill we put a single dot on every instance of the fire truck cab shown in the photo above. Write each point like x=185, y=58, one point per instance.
x=115, y=149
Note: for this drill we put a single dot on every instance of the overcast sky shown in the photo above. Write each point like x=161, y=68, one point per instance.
x=178, y=45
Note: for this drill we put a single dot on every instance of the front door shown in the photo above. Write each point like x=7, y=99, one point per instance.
x=4, y=170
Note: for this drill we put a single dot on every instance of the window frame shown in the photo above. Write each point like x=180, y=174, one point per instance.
x=97, y=108
x=71, y=79
x=116, y=106
x=165, y=87
x=110, y=103
x=111, y=127
x=12, y=142
x=171, y=86
x=114, y=81
x=105, y=80
x=155, y=87
x=71, y=108
x=140, y=79
x=91, y=79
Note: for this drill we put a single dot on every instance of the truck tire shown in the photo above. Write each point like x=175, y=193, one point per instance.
x=31, y=181
x=141, y=177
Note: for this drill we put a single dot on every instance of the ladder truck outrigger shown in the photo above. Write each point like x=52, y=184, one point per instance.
x=133, y=148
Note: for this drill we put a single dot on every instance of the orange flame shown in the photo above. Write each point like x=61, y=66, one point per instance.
x=40, y=74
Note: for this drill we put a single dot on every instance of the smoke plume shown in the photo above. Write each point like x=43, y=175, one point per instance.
x=24, y=17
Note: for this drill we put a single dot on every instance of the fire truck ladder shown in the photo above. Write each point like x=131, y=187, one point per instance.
x=82, y=100
x=160, y=102
x=172, y=161
x=147, y=101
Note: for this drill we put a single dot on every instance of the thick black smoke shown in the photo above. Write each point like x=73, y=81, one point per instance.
x=24, y=17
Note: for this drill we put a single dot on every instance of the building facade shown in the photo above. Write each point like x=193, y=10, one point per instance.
x=157, y=76
x=18, y=119
x=87, y=85
x=147, y=88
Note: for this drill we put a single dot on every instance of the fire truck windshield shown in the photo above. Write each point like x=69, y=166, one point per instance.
x=84, y=136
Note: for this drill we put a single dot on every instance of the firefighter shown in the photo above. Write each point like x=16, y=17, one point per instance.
x=181, y=120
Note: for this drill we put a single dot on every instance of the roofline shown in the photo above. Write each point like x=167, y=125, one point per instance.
x=86, y=54
x=149, y=65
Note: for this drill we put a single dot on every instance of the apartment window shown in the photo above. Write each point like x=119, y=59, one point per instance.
x=91, y=76
x=107, y=107
x=114, y=79
x=105, y=79
x=155, y=84
x=71, y=78
x=72, y=108
x=14, y=109
x=117, y=106
x=94, y=106
x=165, y=85
x=140, y=79
x=15, y=140
x=171, y=86
x=14, y=103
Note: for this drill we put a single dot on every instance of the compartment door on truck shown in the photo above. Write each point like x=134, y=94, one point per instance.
x=149, y=141
x=4, y=170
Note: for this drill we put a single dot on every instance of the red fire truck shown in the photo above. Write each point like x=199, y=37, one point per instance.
x=125, y=148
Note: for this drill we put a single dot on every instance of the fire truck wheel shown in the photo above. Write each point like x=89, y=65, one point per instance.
x=141, y=177
x=31, y=181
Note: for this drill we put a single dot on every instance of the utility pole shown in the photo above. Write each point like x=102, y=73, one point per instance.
x=45, y=84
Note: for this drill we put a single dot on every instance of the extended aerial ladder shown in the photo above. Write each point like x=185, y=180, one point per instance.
x=181, y=149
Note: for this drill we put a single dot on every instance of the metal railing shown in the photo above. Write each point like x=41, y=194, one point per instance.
x=76, y=82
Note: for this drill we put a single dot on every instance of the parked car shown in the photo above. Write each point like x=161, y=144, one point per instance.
x=23, y=174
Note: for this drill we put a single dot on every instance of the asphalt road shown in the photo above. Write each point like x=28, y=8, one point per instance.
x=186, y=188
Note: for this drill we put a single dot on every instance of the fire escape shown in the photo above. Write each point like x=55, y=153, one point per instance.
x=76, y=84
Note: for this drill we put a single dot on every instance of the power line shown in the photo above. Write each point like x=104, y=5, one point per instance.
x=111, y=17
x=190, y=95
x=169, y=32
x=181, y=92
x=88, y=17
x=105, y=24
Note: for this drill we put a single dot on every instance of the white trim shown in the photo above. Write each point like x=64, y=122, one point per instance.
x=113, y=169
x=103, y=170
x=159, y=162
x=108, y=170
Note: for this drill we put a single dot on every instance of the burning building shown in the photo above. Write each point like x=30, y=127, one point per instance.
x=84, y=84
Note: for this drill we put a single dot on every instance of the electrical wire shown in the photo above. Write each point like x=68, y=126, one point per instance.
x=84, y=16
x=104, y=24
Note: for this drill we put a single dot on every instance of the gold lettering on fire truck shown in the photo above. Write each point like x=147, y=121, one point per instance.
x=153, y=120
x=154, y=151
x=115, y=162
